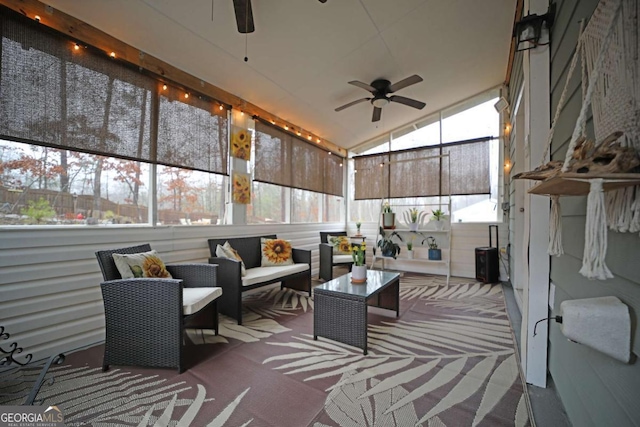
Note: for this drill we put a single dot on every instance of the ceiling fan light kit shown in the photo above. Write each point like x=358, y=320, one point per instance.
x=380, y=89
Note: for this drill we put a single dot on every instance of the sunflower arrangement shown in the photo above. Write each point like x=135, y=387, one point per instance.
x=358, y=253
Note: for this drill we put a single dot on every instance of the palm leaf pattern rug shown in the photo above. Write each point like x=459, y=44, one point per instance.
x=448, y=360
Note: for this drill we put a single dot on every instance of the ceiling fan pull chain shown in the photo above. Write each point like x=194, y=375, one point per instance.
x=246, y=35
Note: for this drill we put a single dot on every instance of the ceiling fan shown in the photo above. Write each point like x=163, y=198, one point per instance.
x=380, y=88
x=244, y=15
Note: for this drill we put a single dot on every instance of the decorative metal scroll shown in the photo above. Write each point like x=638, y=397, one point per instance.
x=8, y=364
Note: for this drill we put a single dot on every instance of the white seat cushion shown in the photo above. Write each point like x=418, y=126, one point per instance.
x=195, y=299
x=338, y=259
x=264, y=274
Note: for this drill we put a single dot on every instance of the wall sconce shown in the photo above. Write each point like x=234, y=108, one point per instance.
x=528, y=30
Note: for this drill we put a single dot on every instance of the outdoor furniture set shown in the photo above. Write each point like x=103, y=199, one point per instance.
x=149, y=304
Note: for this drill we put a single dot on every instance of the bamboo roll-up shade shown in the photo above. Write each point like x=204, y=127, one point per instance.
x=192, y=132
x=415, y=173
x=470, y=168
x=371, y=179
x=54, y=95
x=285, y=160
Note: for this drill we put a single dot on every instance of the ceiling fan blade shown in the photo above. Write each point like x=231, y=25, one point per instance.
x=377, y=112
x=244, y=16
x=363, y=86
x=407, y=101
x=404, y=83
x=352, y=103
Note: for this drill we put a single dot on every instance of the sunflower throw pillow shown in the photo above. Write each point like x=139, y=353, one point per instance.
x=144, y=264
x=227, y=251
x=341, y=244
x=275, y=252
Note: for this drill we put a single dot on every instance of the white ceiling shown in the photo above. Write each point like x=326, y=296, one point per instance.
x=304, y=52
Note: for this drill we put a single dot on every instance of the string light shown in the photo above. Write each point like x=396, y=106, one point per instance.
x=112, y=54
x=242, y=113
x=286, y=127
x=186, y=95
x=299, y=133
x=221, y=107
x=318, y=140
x=164, y=87
x=309, y=137
x=76, y=46
x=37, y=18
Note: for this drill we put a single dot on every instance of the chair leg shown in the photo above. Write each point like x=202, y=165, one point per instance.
x=105, y=368
x=215, y=317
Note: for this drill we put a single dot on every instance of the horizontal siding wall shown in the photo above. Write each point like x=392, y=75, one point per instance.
x=50, y=298
x=595, y=389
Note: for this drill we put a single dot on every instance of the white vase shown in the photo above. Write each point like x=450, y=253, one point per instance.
x=359, y=273
x=388, y=220
x=413, y=226
x=439, y=224
x=409, y=254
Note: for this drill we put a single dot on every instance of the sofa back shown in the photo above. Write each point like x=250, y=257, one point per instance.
x=324, y=234
x=248, y=248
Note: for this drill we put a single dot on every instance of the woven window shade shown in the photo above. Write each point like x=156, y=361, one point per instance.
x=285, y=160
x=371, y=180
x=422, y=172
x=56, y=96
x=192, y=133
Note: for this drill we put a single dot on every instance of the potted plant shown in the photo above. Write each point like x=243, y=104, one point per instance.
x=438, y=216
x=359, y=268
x=435, y=254
x=388, y=216
x=387, y=246
x=358, y=224
x=410, y=248
x=414, y=218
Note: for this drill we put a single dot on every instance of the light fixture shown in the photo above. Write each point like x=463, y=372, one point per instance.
x=286, y=127
x=507, y=165
x=76, y=46
x=340, y=164
x=379, y=102
x=186, y=96
x=528, y=30
x=309, y=137
x=164, y=87
x=507, y=129
x=299, y=133
x=318, y=140
x=242, y=113
x=221, y=107
x=112, y=54
x=37, y=18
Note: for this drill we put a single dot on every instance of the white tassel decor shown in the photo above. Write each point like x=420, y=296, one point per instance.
x=555, y=228
x=595, y=239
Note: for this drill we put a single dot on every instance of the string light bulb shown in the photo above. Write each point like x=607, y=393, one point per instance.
x=76, y=46
x=221, y=107
x=318, y=140
x=186, y=96
x=112, y=54
x=37, y=18
x=309, y=137
x=164, y=87
x=299, y=133
x=286, y=127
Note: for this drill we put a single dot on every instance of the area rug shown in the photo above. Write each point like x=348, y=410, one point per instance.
x=448, y=360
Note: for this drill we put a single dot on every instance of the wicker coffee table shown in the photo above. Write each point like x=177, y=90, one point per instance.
x=340, y=306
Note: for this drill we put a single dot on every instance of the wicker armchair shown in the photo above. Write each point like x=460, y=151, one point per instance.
x=145, y=317
x=328, y=259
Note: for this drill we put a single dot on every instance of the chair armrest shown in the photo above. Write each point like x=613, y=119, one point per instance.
x=326, y=253
x=301, y=256
x=229, y=271
x=195, y=275
x=130, y=297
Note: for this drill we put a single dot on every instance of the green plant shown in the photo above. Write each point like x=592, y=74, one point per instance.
x=431, y=242
x=38, y=210
x=386, y=208
x=358, y=253
x=387, y=246
x=438, y=214
x=414, y=216
x=410, y=245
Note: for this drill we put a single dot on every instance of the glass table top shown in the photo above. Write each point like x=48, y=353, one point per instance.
x=375, y=280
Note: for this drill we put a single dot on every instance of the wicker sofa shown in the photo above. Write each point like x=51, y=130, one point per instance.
x=296, y=276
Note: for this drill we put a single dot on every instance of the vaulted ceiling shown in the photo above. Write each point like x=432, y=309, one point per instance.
x=303, y=53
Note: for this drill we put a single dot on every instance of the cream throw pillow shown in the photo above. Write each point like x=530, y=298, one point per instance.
x=144, y=264
x=227, y=251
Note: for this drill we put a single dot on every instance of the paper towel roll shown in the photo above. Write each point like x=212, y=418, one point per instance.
x=601, y=323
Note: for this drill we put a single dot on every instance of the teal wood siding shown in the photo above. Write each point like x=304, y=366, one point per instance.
x=596, y=390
